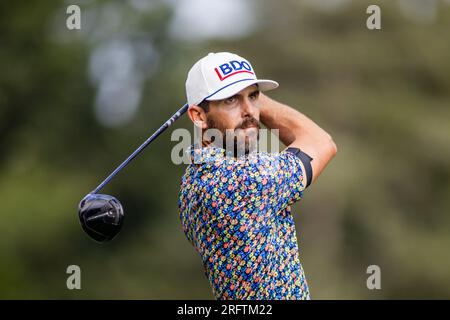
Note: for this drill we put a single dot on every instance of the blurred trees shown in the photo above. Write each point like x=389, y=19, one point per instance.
x=383, y=95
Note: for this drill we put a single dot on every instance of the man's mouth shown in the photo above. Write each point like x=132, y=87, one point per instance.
x=252, y=126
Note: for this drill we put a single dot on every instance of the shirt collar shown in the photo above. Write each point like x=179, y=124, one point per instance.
x=205, y=154
x=211, y=153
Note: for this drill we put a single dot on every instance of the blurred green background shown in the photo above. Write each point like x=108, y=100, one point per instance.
x=75, y=103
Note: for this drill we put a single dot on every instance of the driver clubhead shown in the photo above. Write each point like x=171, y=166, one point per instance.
x=101, y=216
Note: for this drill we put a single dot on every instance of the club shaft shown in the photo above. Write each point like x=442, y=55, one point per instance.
x=167, y=124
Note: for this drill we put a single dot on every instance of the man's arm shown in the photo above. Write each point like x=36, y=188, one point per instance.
x=298, y=131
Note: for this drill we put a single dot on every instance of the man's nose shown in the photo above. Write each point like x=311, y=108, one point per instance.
x=248, y=109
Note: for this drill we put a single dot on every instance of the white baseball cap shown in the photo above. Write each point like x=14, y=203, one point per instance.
x=221, y=75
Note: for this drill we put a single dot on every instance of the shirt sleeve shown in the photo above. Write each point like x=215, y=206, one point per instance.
x=277, y=181
x=292, y=178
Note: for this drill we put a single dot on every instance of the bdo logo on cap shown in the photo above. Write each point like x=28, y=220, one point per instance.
x=233, y=67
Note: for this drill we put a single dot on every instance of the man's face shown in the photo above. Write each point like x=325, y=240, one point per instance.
x=237, y=115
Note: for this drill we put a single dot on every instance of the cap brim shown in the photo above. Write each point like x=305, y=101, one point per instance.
x=233, y=88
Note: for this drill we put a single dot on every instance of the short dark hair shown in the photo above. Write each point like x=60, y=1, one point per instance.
x=204, y=105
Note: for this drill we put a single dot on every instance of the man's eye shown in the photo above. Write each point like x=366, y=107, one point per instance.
x=230, y=100
x=254, y=96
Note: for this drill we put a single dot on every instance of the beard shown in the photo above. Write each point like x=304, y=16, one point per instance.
x=237, y=141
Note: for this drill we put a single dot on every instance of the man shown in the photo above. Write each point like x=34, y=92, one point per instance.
x=236, y=210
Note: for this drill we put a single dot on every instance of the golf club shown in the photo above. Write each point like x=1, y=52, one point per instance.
x=101, y=215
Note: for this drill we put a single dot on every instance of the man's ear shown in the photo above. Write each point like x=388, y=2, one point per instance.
x=198, y=116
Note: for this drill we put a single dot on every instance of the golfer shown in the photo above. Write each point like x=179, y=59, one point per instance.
x=235, y=207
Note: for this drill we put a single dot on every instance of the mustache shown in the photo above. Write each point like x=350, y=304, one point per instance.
x=249, y=122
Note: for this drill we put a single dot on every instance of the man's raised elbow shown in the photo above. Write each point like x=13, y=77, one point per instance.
x=326, y=150
x=332, y=148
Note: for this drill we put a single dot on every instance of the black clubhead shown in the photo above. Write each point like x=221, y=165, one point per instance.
x=101, y=216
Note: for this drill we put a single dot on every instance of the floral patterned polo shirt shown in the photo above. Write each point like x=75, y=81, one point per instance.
x=236, y=212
